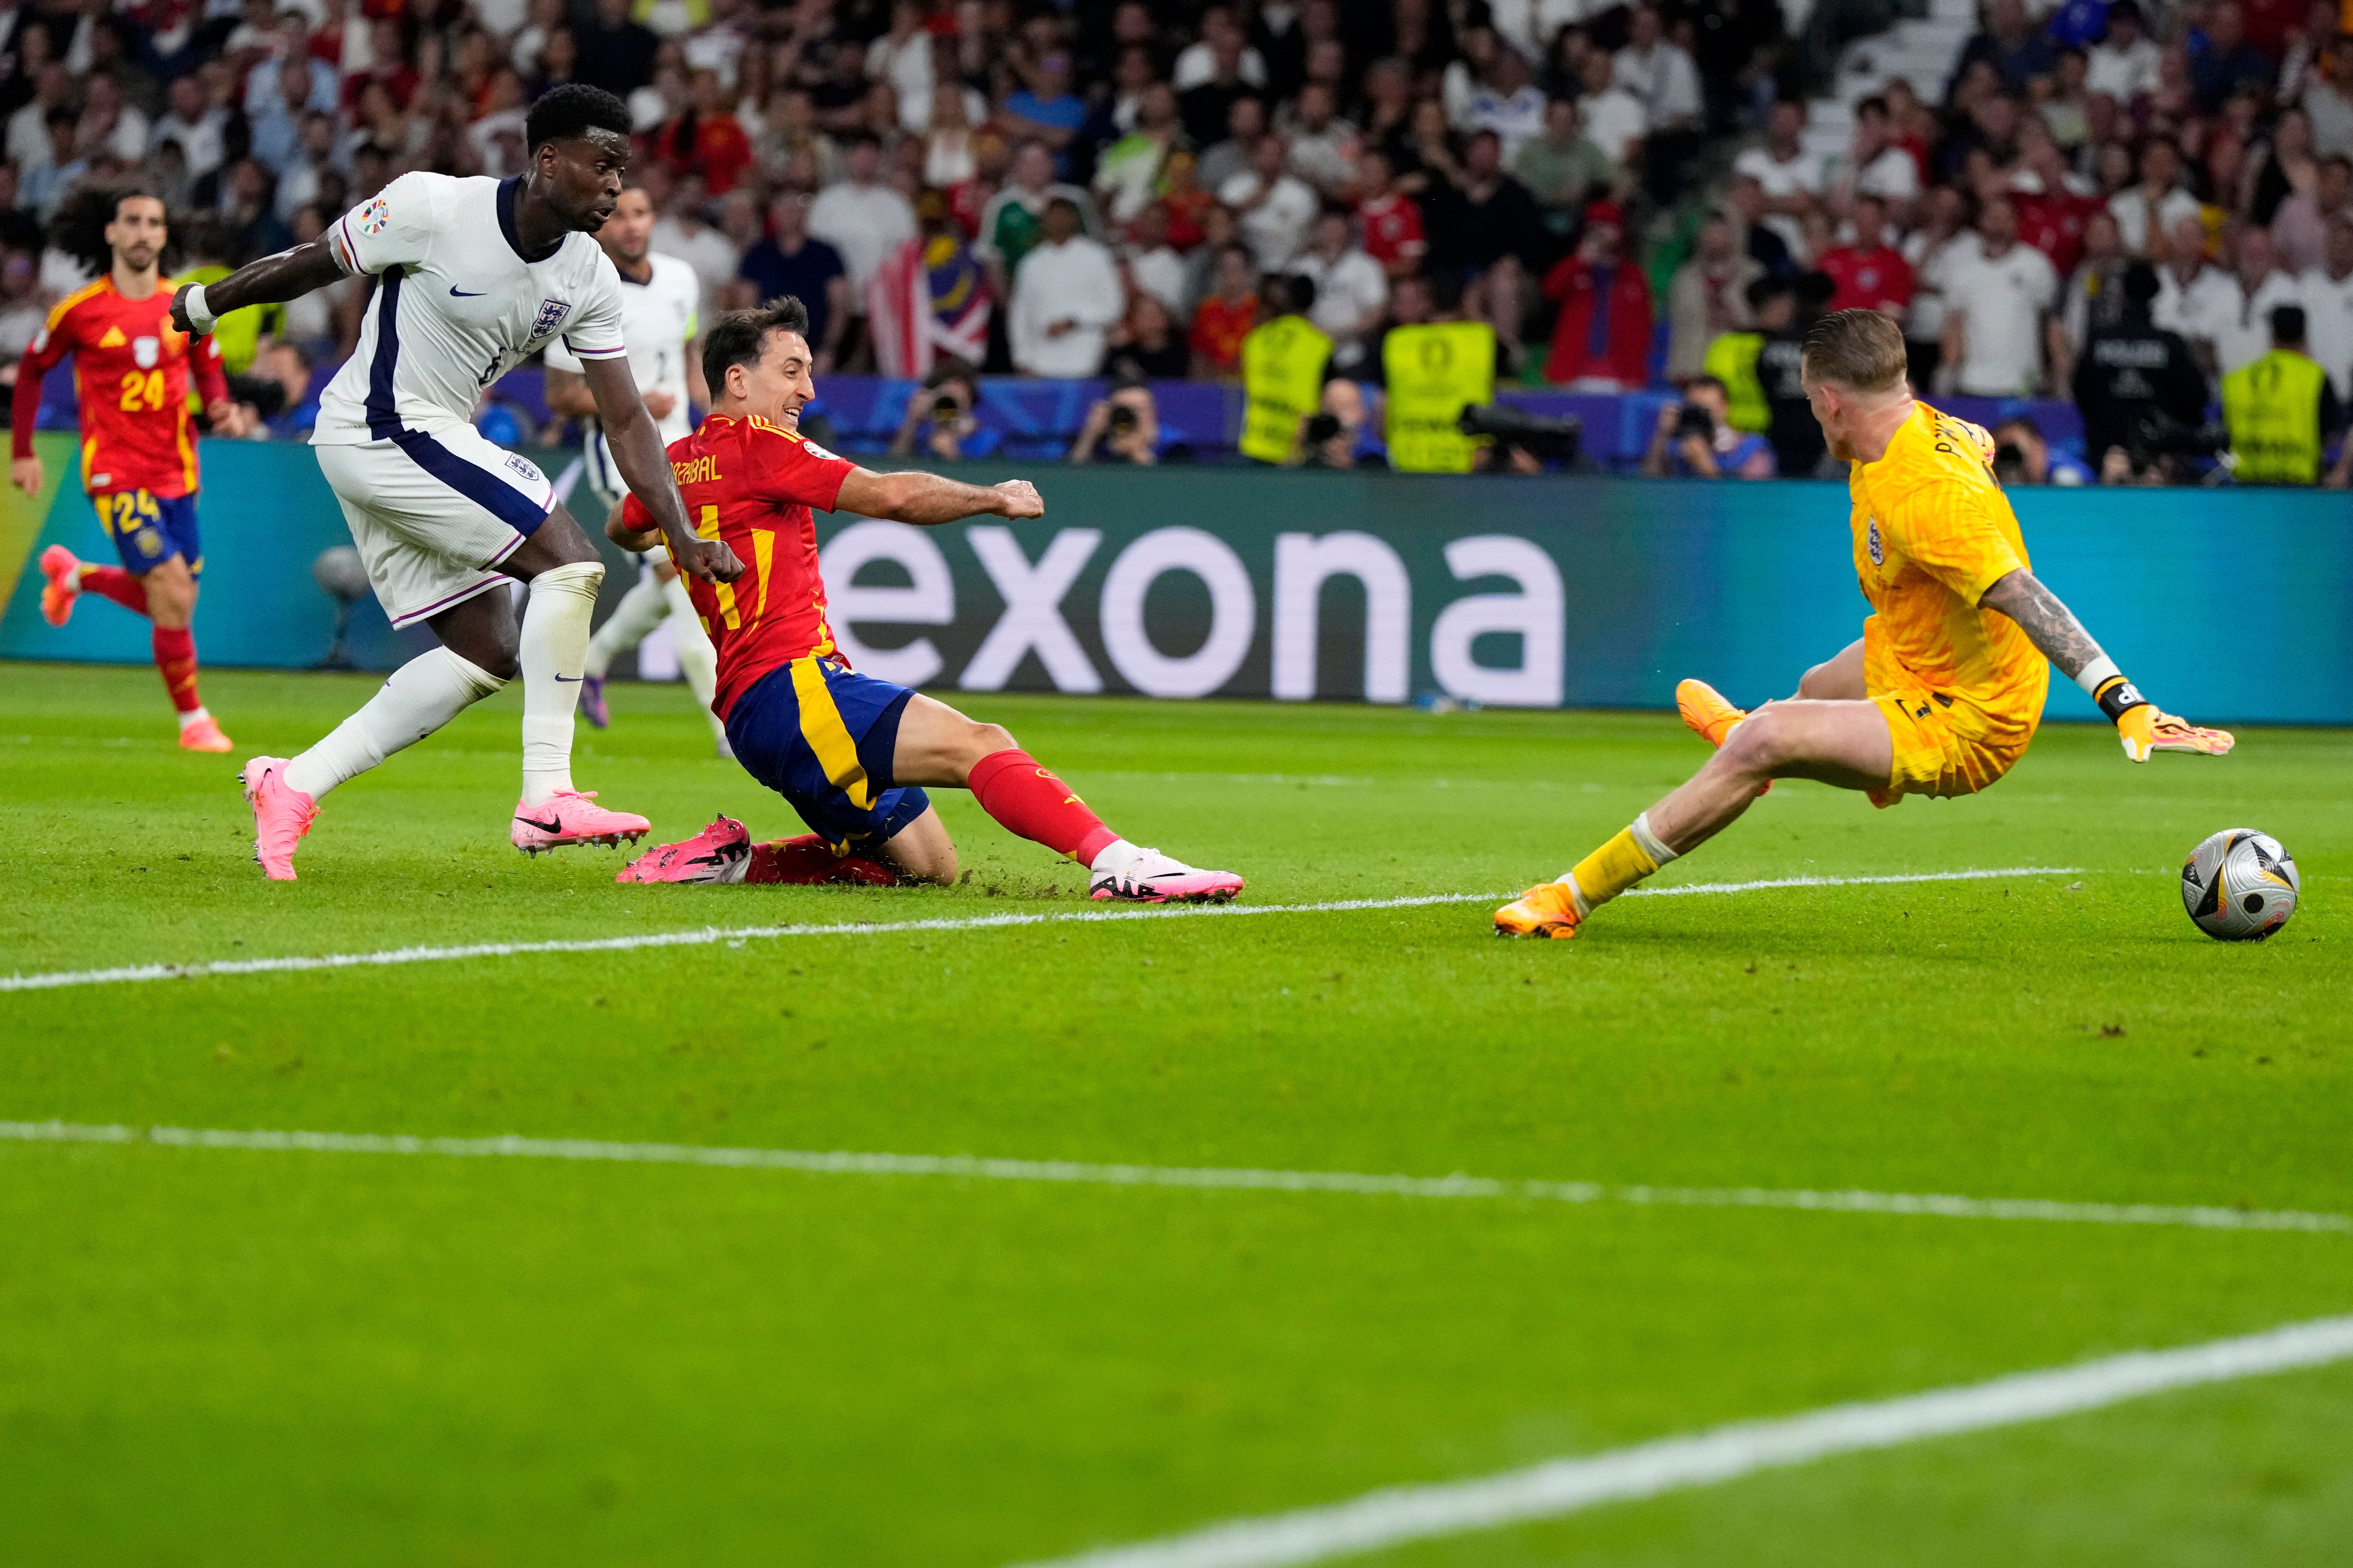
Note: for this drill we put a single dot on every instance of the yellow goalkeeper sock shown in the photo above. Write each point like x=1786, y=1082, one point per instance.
x=1626, y=860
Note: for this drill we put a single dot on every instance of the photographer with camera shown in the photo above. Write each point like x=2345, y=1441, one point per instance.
x=1124, y=427
x=2022, y=456
x=944, y=405
x=1695, y=440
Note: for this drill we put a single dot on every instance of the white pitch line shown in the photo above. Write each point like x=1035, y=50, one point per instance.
x=1938, y=1205
x=1400, y=1514
x=738, y=934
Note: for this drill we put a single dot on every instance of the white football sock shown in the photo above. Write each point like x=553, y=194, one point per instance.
x=422, y=695
x=194, y=717
x=554, y=656
x=1116, y=859
x=697, y=659
x=641, y=609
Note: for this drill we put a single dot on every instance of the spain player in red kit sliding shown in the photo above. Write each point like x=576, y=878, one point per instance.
x=138, y=451
x=851, y=753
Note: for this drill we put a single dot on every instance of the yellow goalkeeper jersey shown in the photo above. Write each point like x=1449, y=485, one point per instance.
x=1932, y=532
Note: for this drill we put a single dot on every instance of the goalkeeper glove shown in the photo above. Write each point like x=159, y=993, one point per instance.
x=2144, y=729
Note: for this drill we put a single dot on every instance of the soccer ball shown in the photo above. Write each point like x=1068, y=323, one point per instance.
x=2239, y=885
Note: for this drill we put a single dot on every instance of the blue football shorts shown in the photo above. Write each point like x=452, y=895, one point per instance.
x=149, y=530
x=822, y=735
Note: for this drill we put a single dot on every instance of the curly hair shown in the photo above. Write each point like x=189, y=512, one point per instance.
x=79, y=225
x=574, y=109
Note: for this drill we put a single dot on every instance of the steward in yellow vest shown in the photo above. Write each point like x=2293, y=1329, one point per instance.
x=1732, y=360
x=1282, y=377
x=2278, y=408
x=1434, y=372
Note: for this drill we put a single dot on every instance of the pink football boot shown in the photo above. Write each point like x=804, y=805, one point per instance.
x=1155, y=878
x=282, y=816
x=62, y=585
x=720, y=853
x=571, y=817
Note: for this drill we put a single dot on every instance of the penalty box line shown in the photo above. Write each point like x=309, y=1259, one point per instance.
x=1398, y=1515
x=1939, y=1205
x=133, y=974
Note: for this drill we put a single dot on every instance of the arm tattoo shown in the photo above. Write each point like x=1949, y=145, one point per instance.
x=2047, y=624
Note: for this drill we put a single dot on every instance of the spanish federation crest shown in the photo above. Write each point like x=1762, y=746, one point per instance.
x=1870, y=543
x=551, y=316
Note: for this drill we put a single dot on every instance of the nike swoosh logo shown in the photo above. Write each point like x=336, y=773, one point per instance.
x=572, y=678
x=554, y=826
x=466, y=293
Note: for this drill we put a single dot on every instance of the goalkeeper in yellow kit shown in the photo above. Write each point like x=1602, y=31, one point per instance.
x=1943, y=692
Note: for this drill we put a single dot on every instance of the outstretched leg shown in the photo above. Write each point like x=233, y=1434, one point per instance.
x=938, y=745
x=1842, y=742
x=476, y=659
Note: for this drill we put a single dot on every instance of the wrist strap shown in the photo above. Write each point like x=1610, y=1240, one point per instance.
x=199, y=315
x=2118, y=696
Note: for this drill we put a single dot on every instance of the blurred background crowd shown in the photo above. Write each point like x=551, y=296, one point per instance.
x=2123, y=204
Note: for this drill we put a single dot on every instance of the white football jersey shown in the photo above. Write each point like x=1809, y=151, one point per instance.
x=458, y=305
x=659, y=320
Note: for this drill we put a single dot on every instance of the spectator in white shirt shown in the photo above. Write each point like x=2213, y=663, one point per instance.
x=1324, y=146
x=28, y=145
x=1999, y=311
x=2328, y=306
x=1507, y=102
x=1655, y=70
x=1615, y=120
x=2193, y=296
x=109, y=126
x=2260, y=287
x=683, y=233
x=1066, y=298
x=1351, y=289
x=902, y=56
x=2123, y=64
x=2154, y=205
x=2329, y=103
x=1198, y=61
x=2300, y=226
x=193, y=123
x=1274, y=208
x=1792, y=177
x=1153, y=264
x=861, y=217
x=1876, y=166
x=1531, y=26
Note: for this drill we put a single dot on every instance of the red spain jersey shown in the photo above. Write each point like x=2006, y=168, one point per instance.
x=131, y=369
x=751, y=485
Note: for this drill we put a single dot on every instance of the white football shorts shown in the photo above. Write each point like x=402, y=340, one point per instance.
x=433, y=513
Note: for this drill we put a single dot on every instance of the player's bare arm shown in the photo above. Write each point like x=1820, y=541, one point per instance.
x=2054, y=630
x=2049, y=624
x=637, y=448
x=272, y=280
x=929, y=500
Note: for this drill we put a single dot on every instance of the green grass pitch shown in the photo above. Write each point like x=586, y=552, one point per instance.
x=214, y=1356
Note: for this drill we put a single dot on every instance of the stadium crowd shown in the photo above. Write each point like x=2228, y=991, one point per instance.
x=2147, y=209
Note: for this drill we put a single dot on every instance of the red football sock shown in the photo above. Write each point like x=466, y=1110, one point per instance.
x=1030, y=801
x=115, y=584
x=176, y=656
x=808, y=861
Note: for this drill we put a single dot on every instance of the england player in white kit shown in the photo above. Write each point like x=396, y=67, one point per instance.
x=473, y=276
x=661, y=297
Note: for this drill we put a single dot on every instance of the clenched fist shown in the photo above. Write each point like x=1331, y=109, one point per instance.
x=1021, y=499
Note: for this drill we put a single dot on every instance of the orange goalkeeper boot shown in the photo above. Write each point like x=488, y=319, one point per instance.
x=1710, y=717
x=1547, y=910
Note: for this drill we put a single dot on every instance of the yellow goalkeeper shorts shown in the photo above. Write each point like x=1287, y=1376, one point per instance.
x=1948, y=745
